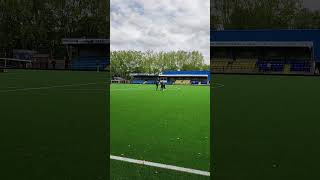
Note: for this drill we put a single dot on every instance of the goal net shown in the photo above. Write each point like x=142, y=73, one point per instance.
x=10, y=63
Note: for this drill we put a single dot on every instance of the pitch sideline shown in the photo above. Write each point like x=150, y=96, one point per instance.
x=47, y=87
x=159, y=165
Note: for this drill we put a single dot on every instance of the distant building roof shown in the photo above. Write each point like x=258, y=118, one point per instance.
x=262, y=44
x=266, y=35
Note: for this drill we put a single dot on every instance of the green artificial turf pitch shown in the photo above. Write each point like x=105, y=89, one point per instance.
x=53, y=125
x=170, y=127
x=265, y=127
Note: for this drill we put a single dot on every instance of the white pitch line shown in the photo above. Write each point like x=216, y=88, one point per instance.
x=145, y=88
x=159, y=165
x=46, y=87
x=219, y=85
x=128, y=89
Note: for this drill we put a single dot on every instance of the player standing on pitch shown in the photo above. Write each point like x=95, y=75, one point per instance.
x=162, y=86
x=157, y=85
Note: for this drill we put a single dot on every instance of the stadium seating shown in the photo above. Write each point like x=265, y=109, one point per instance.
x=300, y=66
x=238, y=66
x=286, y=69
x=89, y=63
x=194, y=82
x=182, y=82
x=243, y=65
x=204, y=82
x=150, y=82
x=272, y=65
x=285, y=66
x=218, y=66
x=137, y=81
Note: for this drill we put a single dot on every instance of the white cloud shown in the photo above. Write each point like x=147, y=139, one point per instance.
x=161, y=25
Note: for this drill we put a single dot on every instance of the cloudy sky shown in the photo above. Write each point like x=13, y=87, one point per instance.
x=161, y=25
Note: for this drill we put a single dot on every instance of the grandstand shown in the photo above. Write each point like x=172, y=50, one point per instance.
x=265, y=51
x=79, y=54
x=262, y=123
x=143, y=78
x=186, y=77
x=88, y=54
x=173, y=77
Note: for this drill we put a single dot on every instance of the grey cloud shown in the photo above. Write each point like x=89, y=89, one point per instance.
x=162, y=26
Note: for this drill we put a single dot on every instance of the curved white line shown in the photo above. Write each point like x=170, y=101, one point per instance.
x=219, y=85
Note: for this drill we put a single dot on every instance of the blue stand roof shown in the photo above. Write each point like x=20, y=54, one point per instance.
x=271, y=36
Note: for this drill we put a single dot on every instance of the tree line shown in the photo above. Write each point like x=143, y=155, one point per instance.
x=125, y=62
x=263, y=14
x=41, y=24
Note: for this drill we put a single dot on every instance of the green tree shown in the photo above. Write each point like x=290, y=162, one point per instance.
x=125, y=62
x=41, y=24
x=260, y=14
